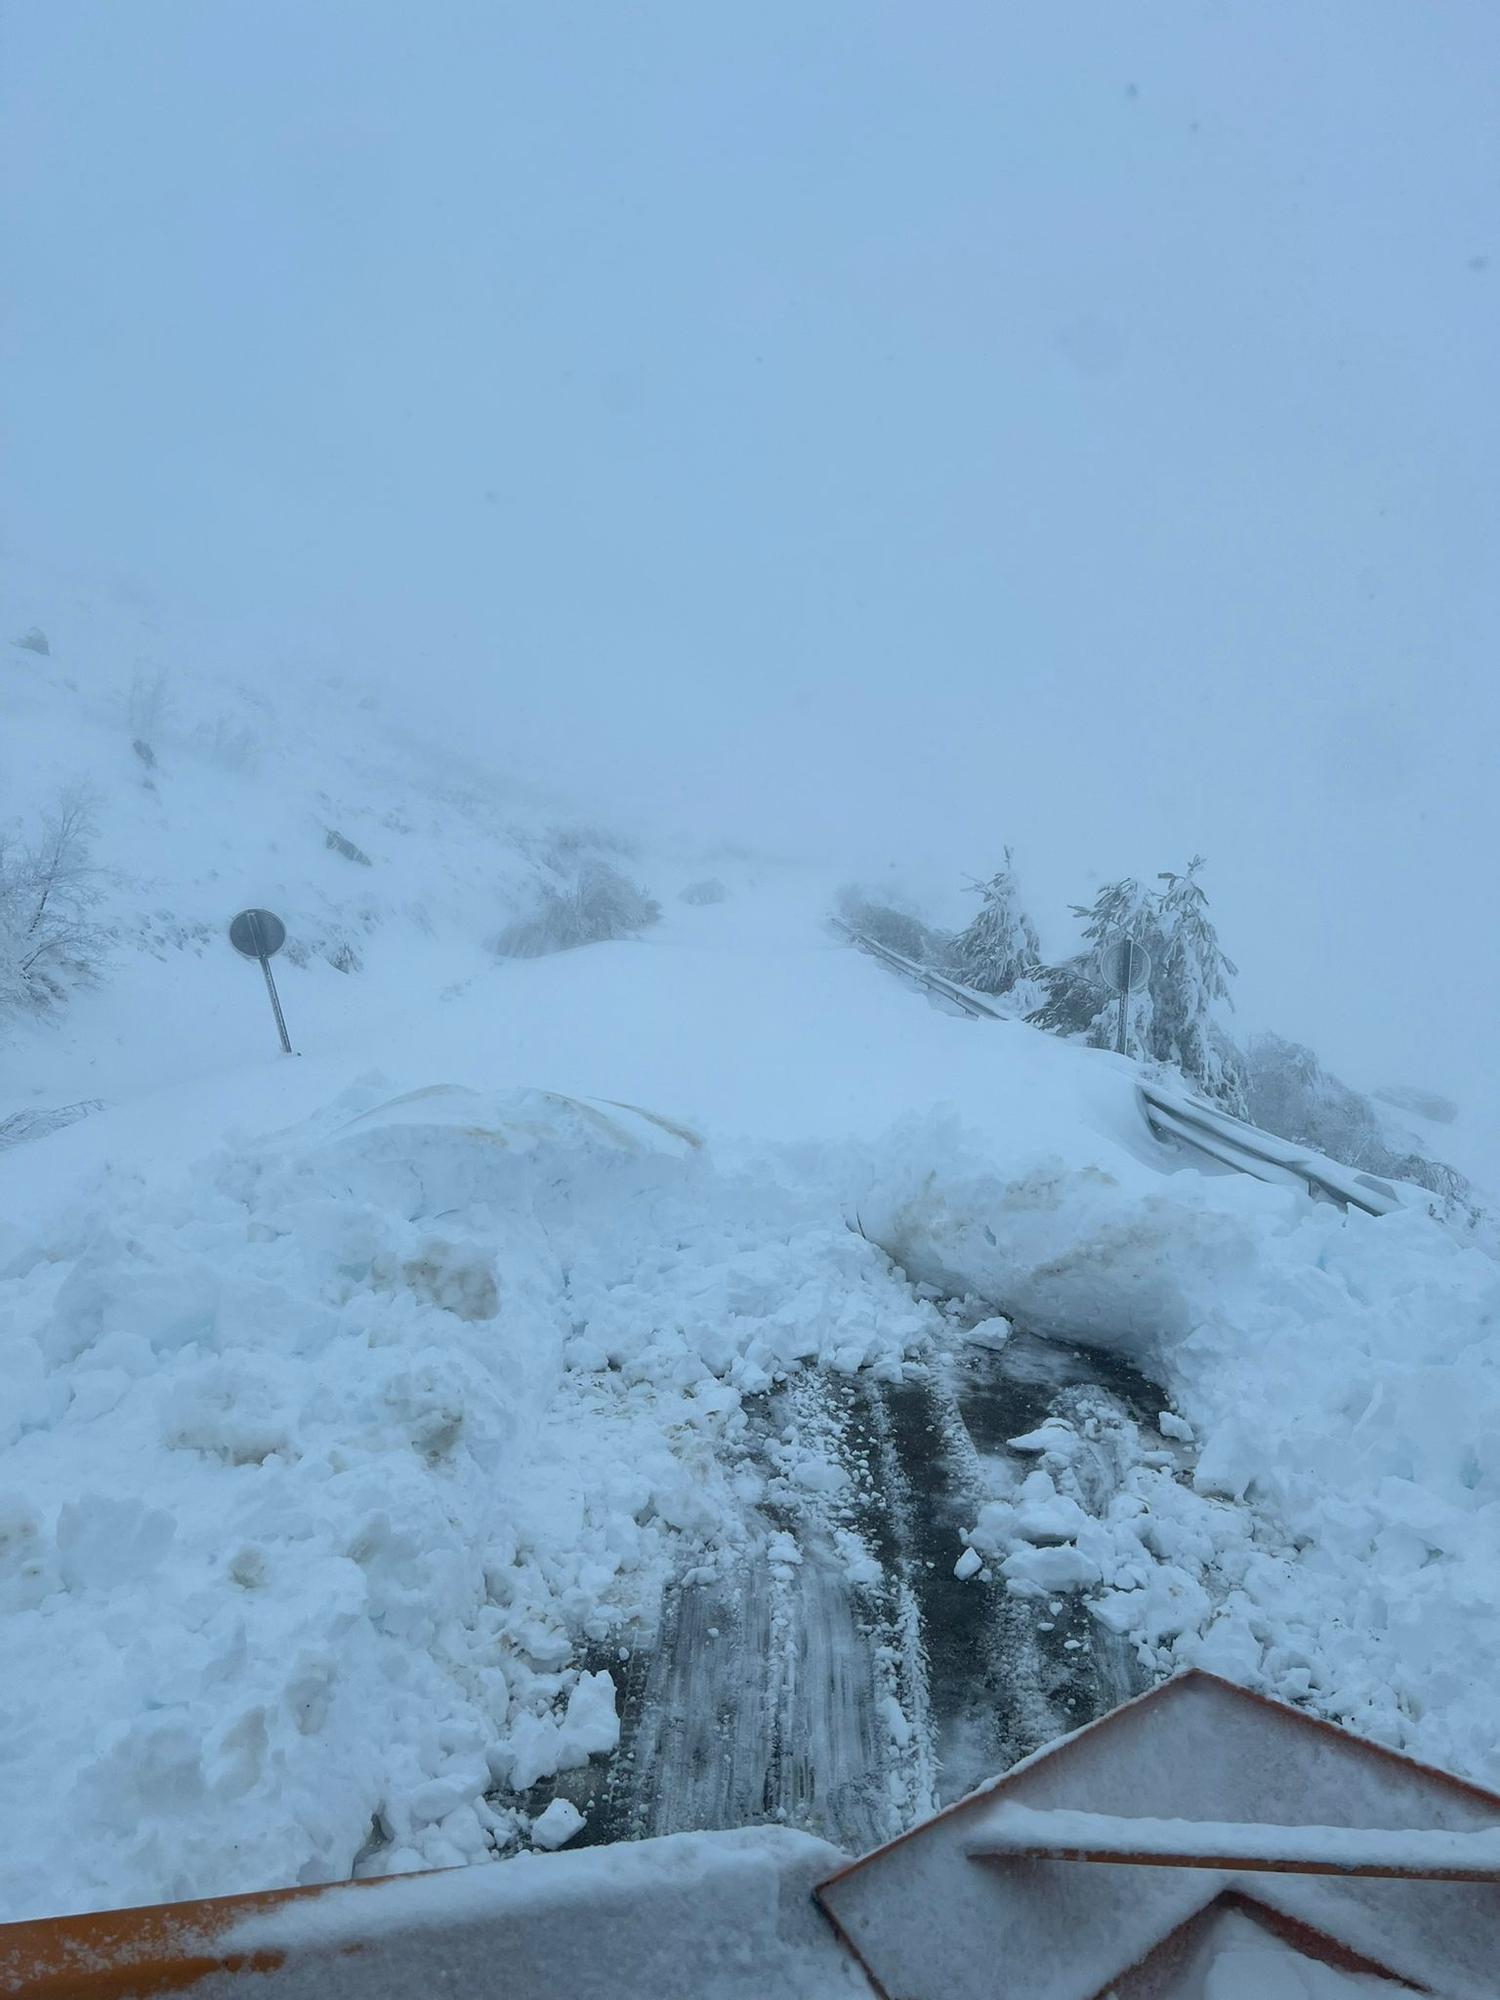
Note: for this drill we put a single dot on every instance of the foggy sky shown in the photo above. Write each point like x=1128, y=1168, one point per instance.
x=882, y=431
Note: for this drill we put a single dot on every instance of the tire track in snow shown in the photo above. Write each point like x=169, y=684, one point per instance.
x=769, y=1689
x=833, y=1672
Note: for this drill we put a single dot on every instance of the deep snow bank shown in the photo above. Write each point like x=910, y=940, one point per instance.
x=1340, y=1373
x=326, y=1460
x=322, y=1463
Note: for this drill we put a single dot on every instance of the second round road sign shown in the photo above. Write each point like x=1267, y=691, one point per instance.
x=257, y=933
x=1124, y=966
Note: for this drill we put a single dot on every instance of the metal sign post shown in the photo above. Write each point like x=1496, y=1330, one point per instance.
x=1126, y=970
x=1125, y=967
x=260, y=934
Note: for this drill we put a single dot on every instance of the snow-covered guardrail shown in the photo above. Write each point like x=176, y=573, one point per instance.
x=973, y=1004
x=1179, y=1116
x=1192, y=1121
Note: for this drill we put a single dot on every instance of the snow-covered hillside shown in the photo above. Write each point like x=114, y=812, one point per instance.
x=363, y=1406
x=394, y=862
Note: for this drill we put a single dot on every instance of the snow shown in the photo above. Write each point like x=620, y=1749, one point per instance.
x=359, y=1403
x=1339, y=1372
x=992, y=1332
x=1013, y=1829
x=389, y=1500
x=725, y=1916
x=1249, y=1963
x=556, y=1825
x=1195, y=1767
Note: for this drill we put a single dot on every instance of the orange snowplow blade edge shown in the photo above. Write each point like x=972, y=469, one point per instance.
x=122, y=1954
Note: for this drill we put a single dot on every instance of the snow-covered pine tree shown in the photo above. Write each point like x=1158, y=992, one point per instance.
x=1078, y=1002
x=1072, y=996
x=1000, y=946
x=1188, y=981
x=1172, y=1021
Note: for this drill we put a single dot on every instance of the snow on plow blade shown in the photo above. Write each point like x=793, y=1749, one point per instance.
x=727, y=1915
x=1197, y=1838
x=116, y=1954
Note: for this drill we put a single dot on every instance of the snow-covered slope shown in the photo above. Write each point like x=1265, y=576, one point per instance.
x=393, y=861
x=362, y=1404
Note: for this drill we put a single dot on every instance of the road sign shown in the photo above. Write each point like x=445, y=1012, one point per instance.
x=1125, y=968
x=260, y=934
x=257, y=933
x=1124, y=965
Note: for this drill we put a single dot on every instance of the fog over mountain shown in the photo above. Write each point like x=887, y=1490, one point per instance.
x=868, y=431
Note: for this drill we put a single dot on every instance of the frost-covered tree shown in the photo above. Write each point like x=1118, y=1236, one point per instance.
x=1077, y=1000
x=1187, y=988
x=1000, y=946
x=49, y=887
x=589, y=903
x=1173, y=1019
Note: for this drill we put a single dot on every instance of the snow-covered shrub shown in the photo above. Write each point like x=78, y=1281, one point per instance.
x=38, y=1122
x=49, y=886
x=313, y=939
x=710, y=890
x=591, y=904
x=896, y=928
x=1289, y=1092
x=1000, y=946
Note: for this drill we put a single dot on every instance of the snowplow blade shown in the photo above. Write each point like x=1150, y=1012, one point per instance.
x=162, y=1948
x=730, y=1914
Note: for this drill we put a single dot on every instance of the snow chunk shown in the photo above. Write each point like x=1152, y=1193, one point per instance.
x=992, y=1333
x=1041, y=1572
x=590, y=1728
x=969, y=1564
x=1045, y=1515
x=555, y=1827
x=1054, y=1436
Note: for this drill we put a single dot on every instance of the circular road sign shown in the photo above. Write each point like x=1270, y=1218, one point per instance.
x=257, y=933
x=1123, y=961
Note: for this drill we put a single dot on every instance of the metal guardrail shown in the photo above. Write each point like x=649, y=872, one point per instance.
x=1191, y=1121
x=975, y=1005
x=1178, y=1116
